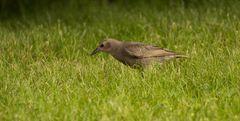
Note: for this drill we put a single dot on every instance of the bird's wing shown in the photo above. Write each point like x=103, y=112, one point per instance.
x=139, y=50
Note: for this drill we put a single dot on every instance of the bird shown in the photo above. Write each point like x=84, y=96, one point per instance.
x=135, y=54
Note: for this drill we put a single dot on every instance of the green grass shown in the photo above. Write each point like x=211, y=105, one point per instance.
x=46, y=72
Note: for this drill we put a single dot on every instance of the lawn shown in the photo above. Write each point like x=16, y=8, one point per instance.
x=46, y=72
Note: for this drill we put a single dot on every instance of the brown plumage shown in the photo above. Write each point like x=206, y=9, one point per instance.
x=134, y=53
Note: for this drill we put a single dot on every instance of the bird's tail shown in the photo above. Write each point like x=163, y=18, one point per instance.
x=178, y=56
x=181, y=56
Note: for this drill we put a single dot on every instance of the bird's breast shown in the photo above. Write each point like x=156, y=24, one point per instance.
x=124, y=59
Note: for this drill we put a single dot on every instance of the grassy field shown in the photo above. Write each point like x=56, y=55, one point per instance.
x=46, y=72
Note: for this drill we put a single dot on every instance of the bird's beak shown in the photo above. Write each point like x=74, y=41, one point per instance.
x=95, y=51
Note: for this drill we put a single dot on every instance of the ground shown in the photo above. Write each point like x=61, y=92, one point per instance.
x=46, y=72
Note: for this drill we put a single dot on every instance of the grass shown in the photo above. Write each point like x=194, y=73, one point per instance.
x=46, y=72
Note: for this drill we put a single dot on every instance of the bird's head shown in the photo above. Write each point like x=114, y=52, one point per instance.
x=107, y=45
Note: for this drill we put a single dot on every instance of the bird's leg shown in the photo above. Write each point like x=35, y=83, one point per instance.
x=141, y=71
x=142, y=74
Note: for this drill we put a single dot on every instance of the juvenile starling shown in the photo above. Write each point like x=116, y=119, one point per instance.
x=135, y=54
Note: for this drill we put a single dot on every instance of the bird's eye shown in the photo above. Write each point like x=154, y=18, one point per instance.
x=101, y=45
